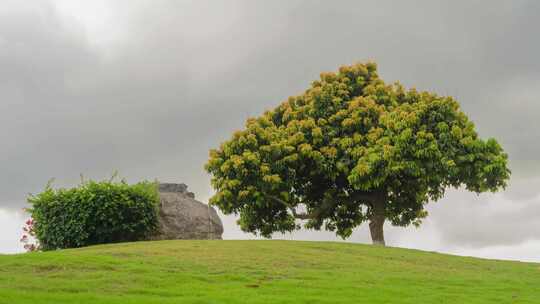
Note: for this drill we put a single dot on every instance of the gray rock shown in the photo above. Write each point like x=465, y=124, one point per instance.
x=182, y=217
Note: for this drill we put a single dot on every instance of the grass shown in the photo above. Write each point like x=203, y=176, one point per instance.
x=261, y=272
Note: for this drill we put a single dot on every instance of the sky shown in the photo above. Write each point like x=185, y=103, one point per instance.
x=146, y=88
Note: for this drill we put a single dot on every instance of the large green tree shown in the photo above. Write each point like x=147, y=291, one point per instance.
x=351, y=149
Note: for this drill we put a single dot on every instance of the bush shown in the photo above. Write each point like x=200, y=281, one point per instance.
x=94, y=213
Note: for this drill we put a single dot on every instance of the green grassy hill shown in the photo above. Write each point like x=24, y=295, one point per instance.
x=261, y=272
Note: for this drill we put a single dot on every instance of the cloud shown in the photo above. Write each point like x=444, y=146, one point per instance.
x=12, y=224
x=148, y=89
x=471, y=221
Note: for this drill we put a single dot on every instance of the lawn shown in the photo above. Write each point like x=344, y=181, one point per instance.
x=261, y=272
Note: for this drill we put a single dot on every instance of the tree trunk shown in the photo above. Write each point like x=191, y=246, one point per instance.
x=376, y=223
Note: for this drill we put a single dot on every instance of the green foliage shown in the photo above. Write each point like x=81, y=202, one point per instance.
x=94, y=213
x=348, y=144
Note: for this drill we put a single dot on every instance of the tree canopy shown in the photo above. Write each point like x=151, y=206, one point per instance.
x=351, y=149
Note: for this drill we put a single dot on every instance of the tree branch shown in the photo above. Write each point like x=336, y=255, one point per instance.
x=358, y=196
x=363, y=196
x=300, y=216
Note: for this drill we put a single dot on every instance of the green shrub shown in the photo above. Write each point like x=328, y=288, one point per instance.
x=94, y=213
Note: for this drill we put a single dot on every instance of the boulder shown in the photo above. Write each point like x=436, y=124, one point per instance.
x=181, y=217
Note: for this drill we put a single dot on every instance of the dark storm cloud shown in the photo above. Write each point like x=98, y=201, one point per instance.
x=67, y=110
x=37, y=55
x=183, y=75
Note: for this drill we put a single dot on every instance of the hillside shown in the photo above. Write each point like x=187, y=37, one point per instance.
x=261, y=272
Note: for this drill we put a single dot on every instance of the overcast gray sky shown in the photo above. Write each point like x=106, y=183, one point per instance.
x=148, y=87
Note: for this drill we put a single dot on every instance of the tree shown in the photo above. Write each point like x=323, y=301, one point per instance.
x=351, y=149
